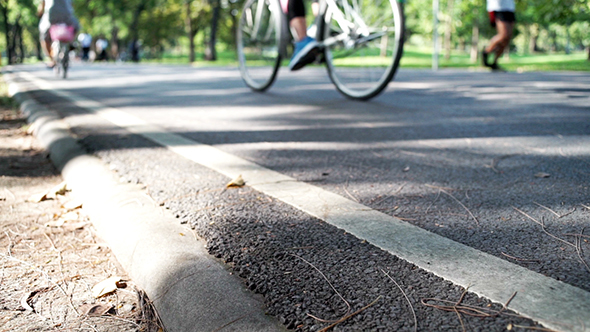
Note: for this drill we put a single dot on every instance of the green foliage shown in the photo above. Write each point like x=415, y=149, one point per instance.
x=163, y=26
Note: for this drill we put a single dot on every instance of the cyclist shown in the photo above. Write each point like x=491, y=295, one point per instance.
x=54, y=12
x=502, y=18
x=306, y=47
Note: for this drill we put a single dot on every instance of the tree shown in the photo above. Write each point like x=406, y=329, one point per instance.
x=18, y=17
x=196, y=14
x=564, y=12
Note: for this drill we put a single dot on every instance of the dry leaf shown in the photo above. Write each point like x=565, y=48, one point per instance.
x=72, y=205
x=24, y=301
x=60, y=189
x=37, y=198
x=70, y=216
x=95, y=310
x=542, y=175
x=31, y=129
x=78, y=225
x=56, y=223
x=66, y=217
x=237, y=182
x=106, y=286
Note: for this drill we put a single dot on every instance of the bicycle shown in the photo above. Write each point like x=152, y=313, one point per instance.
x=361, y=43
x=62, y=35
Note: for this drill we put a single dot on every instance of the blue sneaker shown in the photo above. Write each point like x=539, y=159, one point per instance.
x=305, y=53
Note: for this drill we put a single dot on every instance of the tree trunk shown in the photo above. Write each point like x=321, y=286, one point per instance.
x=7, y=29
x=474, y=43
x=134, y=47
x=38, y=50
x=533, y=44
x=588, y=50
x=115, y=43
x=14, y=44
x=190, y=31
x=234, y=29
x=21, y=44
x=534, y=36
x=554, y=41
x=449, y=28
x=114, y=37
x=567, y=40
x=210, y=52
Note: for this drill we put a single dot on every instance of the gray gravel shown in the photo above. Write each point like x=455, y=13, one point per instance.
x=444, y=152
x=292, y=259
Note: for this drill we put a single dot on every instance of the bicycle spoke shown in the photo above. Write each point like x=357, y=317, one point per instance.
x=363, y=57
x=258, y=38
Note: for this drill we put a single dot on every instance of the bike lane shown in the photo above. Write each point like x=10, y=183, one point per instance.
x=358, y=138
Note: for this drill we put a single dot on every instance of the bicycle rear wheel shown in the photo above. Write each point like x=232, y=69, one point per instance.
x=363, y=45
x=56, y=49
x=258, y=38
x=65, y=59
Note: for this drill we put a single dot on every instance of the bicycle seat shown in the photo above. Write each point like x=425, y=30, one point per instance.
x=62, y=32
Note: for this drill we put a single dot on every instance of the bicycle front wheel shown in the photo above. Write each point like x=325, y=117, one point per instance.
x=363, y=45
x=258, y=39
x=65, y=59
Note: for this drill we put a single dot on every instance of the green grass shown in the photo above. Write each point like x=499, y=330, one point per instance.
x=417, y=58
x=224, y=58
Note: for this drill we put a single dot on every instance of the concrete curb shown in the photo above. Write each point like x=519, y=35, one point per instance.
x=190, y=290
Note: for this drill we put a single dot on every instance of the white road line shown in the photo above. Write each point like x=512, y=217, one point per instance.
x=553, y=303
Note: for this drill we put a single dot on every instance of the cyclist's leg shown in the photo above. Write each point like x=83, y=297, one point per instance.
x=46, y=46
x=297, y=18
x=306, y=48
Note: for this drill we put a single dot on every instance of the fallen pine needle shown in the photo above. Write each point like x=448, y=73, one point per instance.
x=458, y=201
x=543, y=227
x=455, y=306
x=534, y=328
x=350, y=315
x=329, y=283
x=407, y=299
x=520, y=259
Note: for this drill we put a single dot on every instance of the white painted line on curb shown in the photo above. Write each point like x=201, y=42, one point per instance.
x=555, y=304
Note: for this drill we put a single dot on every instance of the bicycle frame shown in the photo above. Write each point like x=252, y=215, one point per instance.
x=342, y=33
x=326, y=7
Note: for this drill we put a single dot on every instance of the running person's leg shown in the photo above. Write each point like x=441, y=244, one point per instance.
x=504, y=23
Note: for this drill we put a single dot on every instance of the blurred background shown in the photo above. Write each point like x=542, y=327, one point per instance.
x=550, y=34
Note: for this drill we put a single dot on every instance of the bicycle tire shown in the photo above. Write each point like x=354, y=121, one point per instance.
x=258, y=43
x=362, y=61
x=65, y=60
x=57, y=65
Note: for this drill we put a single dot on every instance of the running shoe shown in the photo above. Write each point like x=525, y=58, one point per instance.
x=494, y=66
x=484, y=57
x=305, y=53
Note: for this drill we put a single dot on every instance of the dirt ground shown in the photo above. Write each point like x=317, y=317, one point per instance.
x=50, y=257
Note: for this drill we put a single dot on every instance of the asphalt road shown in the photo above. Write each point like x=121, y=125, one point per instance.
x=497, y=162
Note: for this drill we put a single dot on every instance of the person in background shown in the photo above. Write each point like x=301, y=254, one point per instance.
x=502, y=18
x=306, y=47
x=101, y=49
x=54, y=12
x=85, y=41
